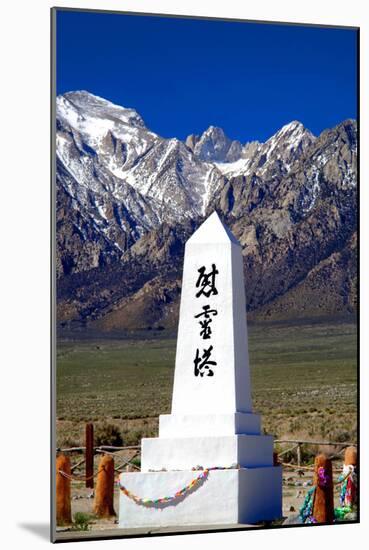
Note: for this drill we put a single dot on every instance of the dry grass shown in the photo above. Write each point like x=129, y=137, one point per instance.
x=304, y=379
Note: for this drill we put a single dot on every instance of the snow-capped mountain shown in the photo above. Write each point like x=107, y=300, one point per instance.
x=127, y=199
x=283, y=148
x=121, y=177
x=214, y=146
x=107, y=148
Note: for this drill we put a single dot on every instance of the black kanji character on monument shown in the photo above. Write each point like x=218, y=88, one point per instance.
x=206, y=282
x=205, y=323
x=206, y=312
x=202, y=363
x=205, y=331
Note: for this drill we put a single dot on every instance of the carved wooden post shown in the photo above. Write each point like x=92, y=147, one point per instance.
x=351, y=456
x=89, y=455
x=63, y=504
x=104, y=493
x=323, y=508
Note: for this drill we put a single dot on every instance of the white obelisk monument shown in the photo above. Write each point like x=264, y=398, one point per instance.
x=211, y=424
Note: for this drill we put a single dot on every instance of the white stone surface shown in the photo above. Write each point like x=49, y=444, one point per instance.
x=212, y=423
x=225, y=497
x=190, y=425
x=184, y=453
x=259, y=494
x=228, y=391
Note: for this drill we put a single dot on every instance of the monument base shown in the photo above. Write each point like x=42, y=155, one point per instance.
x=183, y=453
x=245, y=495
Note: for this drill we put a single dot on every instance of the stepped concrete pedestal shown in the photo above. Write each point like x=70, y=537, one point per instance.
x=226, y=497
x=212, y=424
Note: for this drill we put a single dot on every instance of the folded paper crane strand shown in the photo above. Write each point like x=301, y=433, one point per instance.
x=349, y=486
x=306, y=510
x=348, y=493
x=182, y=492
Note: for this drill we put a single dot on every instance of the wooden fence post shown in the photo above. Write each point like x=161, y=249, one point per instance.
x=104, y=493
x=89, y=455
x=323, y=508
x=299, y=454
x=63, y=504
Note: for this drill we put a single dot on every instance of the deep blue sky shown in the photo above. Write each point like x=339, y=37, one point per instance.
x=183, y=75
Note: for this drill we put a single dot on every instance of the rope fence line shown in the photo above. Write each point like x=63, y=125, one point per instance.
x=81, y=477
x=311, y=468
x=111, y=450
x=312, y=511
x=90, y=451
x=296, y=467
x=331, y=443
x=74, y=477
x=298, y=443
x=318, y=506
x=99, y=447
x=295, y=446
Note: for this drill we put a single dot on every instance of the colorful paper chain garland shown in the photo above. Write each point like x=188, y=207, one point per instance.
x=347, y=495
x=182, y=492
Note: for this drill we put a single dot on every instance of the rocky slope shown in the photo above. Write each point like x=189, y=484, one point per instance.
x=118, y=181
x=128, y=199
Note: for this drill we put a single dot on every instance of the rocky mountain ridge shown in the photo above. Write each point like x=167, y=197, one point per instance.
x=128, y=199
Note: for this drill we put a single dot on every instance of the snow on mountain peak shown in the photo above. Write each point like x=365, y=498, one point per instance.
x=106, y=148
x=90, y=105
x=293, y=132
x=292, y=126
x=285, y=146
x=289, y=142
x=115, y=133
x=118, y=180
x=84, y=97
x=214, y=146
x=214, y=132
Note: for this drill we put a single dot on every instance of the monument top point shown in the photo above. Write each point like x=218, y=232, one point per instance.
x=213, y=231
